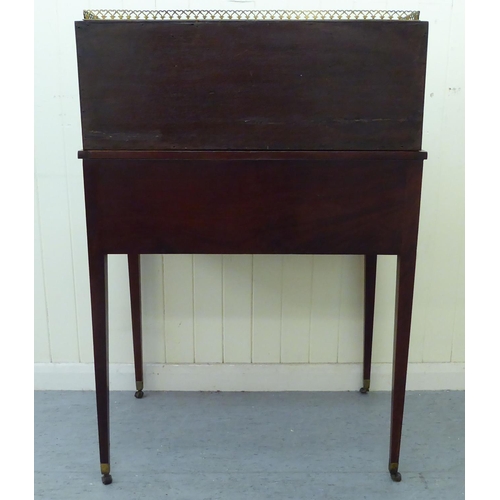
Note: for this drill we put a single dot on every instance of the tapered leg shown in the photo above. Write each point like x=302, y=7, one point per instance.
x=134, y=273
x=404, y=299
x=370, y=277
x=98, y=295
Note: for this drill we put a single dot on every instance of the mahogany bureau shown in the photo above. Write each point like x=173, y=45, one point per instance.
x=252, y=132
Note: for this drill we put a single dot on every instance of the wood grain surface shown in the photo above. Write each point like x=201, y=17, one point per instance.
x=317, y=85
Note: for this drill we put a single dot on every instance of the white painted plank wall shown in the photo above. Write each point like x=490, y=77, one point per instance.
x=179, y=308
x=238, y=309
x=267, y=298
x=325, y=308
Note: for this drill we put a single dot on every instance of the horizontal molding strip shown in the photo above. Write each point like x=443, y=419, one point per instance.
x=249, y=377
x=106, y=154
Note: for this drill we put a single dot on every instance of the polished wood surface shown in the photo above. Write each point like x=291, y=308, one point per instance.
x=98, y=262
x=317, y=85
x=201, y=206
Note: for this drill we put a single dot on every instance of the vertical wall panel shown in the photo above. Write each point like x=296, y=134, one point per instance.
x=441, y=312
x=325, y=309
x=48, y=135
x=237, y=308
x=172, y=4
x=67, y=13
x=239, y=4
x=358, y=5
x=80, y=267
x=270, y=5
x=385, y=302
x=52, y=192
x=68, y=81
x=179, y=324
x=296, y=308
x=41, y=327
x=458, y=348
x=426, y=281
x=207, y=4
x=447, y=257
x=58, y=267
x=120, y=319
x=110, y=4
x=419, y=316
x=208, y=308
x=153, y=324
x=351, y=310
x=267, y=283
x=133, y=4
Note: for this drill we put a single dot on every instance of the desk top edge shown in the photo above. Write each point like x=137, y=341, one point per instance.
x=250, y=155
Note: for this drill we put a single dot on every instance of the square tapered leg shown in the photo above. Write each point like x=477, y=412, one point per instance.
x=134, y=272
x=370, y=279
x=98, y=296
x=404, y=300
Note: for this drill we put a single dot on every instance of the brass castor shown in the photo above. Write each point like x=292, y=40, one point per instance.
x=139, y=394
x=366, y=386
x=107, y=479
x=396, y=476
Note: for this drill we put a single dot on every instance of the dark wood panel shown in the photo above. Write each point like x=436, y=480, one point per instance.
x=292, y=207
x=313, y=85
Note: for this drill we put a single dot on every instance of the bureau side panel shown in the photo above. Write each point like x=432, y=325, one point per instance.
x=247, y=207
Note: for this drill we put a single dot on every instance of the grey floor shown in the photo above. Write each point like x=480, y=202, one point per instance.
x=231, y=446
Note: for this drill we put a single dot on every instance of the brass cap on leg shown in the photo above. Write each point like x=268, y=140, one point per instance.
x=366, y=386
x=393, y=469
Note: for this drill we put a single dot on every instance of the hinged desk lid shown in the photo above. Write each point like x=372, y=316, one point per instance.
x=201, y=80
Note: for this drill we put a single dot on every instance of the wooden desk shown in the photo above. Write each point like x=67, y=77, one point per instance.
x=287, y=137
